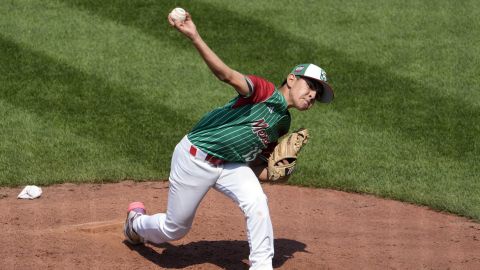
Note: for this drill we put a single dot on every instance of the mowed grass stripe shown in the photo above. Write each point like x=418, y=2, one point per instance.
x=114, y=52
x=32, y=151
x=432, y=42
x=363, y=159
x=108, y=117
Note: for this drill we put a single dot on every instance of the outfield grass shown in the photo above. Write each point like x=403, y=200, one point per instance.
x=103, y=90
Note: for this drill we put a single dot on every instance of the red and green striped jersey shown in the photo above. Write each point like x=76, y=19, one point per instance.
x=245, y=126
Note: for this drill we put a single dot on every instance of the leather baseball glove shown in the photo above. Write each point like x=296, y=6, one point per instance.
x=283, y=159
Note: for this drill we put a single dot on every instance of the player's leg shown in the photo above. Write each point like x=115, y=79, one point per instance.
x=238, y=182
x=190, y=179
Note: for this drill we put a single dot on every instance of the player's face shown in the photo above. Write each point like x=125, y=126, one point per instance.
x=303, y=93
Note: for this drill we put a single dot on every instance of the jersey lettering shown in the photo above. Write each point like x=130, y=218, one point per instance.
x=258, y=127
x=240, y=130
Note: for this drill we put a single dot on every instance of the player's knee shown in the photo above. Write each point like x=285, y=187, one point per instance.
x=256, y=205
x=177, y=233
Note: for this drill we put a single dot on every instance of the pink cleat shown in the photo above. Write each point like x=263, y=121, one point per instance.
x=135, y=209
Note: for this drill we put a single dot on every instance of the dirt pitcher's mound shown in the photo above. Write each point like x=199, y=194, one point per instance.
x=80, y=227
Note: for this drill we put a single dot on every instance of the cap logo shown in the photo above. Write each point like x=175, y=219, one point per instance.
x=323, y=76
x=299, y=68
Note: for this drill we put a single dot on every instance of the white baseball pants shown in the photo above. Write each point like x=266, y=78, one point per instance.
x=190, y=179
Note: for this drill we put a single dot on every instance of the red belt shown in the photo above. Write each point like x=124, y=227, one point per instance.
x=213, y=160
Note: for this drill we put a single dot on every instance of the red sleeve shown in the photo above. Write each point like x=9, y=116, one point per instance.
x=260, y=90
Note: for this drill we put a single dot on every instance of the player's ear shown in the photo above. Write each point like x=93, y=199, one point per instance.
x=290, y=80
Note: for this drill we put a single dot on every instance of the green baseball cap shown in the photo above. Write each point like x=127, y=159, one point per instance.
x=315, y=72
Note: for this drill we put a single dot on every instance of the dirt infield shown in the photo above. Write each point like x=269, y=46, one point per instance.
x=80, y=227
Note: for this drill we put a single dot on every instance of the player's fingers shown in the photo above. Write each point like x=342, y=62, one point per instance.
x=187, y=16
x=178, y=25
x=283, y=162
x=170, y=20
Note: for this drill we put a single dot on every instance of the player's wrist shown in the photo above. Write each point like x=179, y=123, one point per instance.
x=195, y=38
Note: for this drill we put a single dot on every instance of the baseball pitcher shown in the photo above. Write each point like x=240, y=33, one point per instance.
x=230, y=149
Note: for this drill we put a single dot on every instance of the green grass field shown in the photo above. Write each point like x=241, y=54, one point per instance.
x=96, y=91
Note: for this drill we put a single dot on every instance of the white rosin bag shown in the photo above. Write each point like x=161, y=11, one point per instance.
x=30, y=192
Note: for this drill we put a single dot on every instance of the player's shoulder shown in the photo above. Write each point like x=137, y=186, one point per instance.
x=258, y=82
x=260, y=88
x=256, y=79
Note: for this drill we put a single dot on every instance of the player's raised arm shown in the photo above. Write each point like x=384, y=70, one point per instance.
x=216, y=65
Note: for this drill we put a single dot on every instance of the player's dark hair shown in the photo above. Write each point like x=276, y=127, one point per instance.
x=314, y=84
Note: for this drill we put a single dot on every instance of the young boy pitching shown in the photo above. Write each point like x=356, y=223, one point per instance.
x=221, y=152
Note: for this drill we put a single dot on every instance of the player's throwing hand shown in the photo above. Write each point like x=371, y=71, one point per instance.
x=186, y=27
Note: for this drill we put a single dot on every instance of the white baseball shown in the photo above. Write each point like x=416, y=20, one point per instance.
x=178, y=14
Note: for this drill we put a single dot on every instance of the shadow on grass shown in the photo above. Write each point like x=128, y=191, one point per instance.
x=224, y=254
x=87, y=106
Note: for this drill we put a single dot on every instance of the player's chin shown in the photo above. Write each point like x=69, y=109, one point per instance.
x=304, y=106
x=301, y=108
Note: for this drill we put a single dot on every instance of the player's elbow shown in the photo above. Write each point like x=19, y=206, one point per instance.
x=225, y=76
x=234, y=79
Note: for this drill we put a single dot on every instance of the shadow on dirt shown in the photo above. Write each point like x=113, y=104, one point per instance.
x=230, y=255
